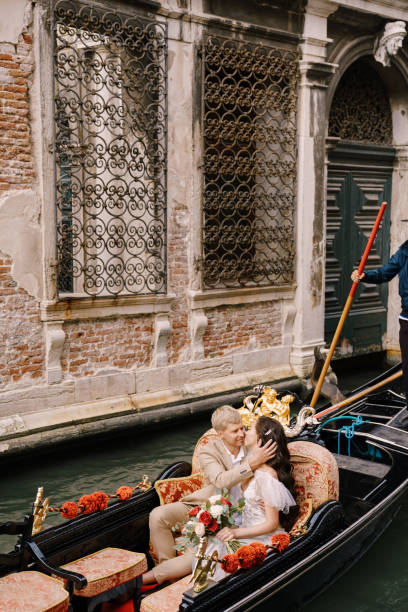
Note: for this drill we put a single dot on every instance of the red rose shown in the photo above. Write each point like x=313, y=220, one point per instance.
x=214, y=526
x=194, y=511
x=205, y=518
x=225, y=502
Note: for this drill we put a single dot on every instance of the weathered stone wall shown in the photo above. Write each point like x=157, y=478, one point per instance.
x=21, y=334
x=21, y=337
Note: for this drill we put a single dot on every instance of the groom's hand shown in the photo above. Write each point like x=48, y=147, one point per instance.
x=262, y=454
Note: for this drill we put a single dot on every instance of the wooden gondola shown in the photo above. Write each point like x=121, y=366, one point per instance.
x=372, y=458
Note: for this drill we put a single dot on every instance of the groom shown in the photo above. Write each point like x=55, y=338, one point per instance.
x=224, y=464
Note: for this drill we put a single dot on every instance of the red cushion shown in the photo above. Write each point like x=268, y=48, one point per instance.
x=107, y=569
x=23, y=591
x=172, y=489
x=167, y=599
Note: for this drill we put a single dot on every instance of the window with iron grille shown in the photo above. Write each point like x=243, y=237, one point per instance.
x=249, y=132
x=110, y=89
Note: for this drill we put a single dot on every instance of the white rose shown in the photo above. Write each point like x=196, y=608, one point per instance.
x=199, y=529
x=216, y=511
x=214, y=498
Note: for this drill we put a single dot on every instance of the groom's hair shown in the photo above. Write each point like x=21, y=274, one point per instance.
x=223, y=416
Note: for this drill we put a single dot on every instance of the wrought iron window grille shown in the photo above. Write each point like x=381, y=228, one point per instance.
x=361, y=110
x=110, y=90
x=249, y=143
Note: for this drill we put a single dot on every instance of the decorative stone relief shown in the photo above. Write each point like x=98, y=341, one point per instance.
x=199, y=323
x=54, y=343
x=162, y=330
x=389, y=42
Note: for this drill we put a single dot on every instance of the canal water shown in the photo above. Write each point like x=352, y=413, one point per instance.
x=379, y=582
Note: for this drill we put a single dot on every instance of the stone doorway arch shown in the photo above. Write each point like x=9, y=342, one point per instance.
x=360, y=168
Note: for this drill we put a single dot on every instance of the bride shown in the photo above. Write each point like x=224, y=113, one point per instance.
x=270, y=506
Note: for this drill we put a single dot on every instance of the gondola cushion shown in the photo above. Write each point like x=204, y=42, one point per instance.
x=172, y=489
x=167, y=599
x=305, y=512
x=32, y=591
x=107, y=569
x=315, y=472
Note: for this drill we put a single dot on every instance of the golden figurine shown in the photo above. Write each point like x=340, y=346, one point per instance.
x=207, y=568
x=40, y=510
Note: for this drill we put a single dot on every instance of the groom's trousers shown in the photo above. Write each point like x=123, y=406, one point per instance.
x=161, y=521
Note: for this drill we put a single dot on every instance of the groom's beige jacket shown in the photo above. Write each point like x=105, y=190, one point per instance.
x=218, y=471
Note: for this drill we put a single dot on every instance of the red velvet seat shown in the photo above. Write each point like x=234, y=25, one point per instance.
x=33, y=591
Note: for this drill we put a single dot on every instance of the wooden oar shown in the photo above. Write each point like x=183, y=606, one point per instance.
x=359, y=395
x=347, y=306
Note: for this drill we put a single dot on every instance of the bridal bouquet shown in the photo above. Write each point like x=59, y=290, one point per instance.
x=207, y=519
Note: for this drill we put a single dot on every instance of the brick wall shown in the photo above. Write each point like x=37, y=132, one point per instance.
x=21, y=337
x=91, y=346
x=21, y=334
x=178, y=282
x=16, y=163
x=242, y=328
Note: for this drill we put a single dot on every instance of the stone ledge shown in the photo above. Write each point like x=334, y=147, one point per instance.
x=117, y=415
x=74, y=420
x=75, y=309
x=233, y=297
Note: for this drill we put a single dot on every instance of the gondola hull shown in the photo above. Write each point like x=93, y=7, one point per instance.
x=339, y=532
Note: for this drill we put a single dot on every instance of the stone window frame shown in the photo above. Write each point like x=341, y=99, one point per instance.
x=52, y=308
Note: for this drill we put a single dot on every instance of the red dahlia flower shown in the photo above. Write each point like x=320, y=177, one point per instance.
x=280, y=541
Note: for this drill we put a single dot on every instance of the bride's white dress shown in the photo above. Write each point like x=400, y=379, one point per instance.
x=272, y=492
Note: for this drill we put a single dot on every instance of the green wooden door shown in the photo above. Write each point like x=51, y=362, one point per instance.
x=359, y=179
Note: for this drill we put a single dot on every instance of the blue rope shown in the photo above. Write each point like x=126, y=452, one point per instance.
x=348, y=430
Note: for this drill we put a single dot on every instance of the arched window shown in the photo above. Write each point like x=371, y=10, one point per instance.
x=360, y=109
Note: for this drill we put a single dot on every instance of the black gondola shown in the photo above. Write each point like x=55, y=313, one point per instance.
x=373, y=471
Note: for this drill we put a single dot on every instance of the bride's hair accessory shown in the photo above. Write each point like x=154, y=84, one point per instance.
x=268, y=431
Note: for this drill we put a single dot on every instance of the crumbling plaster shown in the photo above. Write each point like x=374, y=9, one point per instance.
x=14, y=18
x=20, y=238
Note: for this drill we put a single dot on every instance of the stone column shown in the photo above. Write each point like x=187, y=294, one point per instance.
x=311, y=194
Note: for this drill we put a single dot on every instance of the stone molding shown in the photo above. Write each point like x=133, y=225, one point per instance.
x=162, y=331
x=54, y=344
x=233, y=297
x=104, y=307
x=199, y=324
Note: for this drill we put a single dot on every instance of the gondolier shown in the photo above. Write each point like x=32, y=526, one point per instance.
x=398, y=264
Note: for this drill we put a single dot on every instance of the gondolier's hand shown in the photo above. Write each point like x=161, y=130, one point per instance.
x=356, y=277
x=262, y=454
x=226, y=533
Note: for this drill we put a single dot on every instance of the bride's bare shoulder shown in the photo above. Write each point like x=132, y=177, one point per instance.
x=269, y=470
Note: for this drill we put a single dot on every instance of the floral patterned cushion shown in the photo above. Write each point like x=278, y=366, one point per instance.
x=172, y=489
x=32, y=591
x=107, y=569
x=315, y=471
x=305, y=512
x=205, y=439
x=167, y=599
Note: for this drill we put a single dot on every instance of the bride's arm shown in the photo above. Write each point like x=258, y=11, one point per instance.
x=271, y=523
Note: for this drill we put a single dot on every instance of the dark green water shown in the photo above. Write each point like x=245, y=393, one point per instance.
x=379, y=582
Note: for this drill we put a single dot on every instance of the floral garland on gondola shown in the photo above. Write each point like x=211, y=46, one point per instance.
x=253, y=554
x=97, y=501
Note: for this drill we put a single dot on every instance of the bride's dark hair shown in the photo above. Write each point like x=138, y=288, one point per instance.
x=270, y=429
